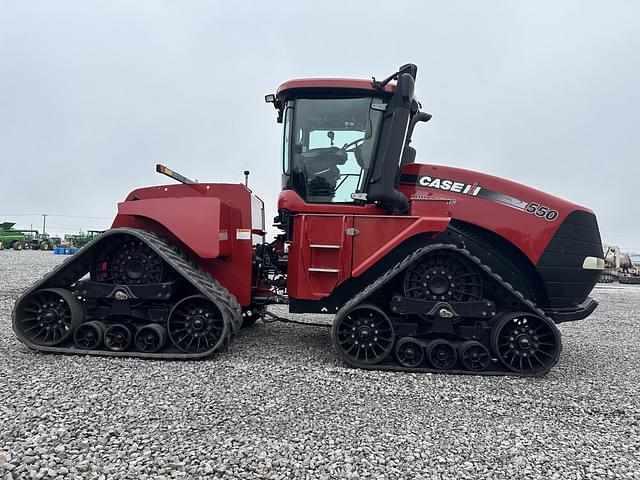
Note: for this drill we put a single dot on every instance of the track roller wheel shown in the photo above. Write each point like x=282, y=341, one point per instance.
x=364, y=335
x=89, y=335
x=117, y=337
x=474, y=356
x=196, y=325
x=441, y=354
x=49, y=316
x=151, y=338
x=409, y=352
x=526, y=343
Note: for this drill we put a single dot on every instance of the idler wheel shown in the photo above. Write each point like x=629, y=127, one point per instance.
x=409, y=352
x=474, y=356
x=364, y=335
x=151, y=338
x=526, y=343
x=441, y=354
x=196, y=325
x=48, y=317
x=443, y=275
x=118, y=337
x=89, y=335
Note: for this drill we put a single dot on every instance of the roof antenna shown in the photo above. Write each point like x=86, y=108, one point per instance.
x=246, y=178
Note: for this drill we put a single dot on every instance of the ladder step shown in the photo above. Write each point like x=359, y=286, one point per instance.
x=324, y=270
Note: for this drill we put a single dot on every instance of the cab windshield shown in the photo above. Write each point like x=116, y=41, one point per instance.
x=331, y=143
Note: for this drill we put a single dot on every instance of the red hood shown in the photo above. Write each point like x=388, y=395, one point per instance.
x=526, y=216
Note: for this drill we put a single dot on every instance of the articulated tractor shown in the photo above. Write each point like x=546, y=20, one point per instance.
x=424, y=268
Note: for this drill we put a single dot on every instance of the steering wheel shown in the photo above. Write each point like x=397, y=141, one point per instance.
x=352, y=146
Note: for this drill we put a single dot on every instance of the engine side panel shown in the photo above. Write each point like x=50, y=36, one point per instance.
x=526, y=217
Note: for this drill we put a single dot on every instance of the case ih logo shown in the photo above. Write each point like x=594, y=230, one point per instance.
x=475, y=190
x=449, y=185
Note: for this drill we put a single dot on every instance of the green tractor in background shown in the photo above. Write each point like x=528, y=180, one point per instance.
x=82, y=239
x=39, y=241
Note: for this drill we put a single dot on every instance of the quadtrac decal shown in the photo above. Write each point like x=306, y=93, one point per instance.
x=475, y=190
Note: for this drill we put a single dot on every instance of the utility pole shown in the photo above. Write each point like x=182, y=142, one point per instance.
x=44, y=223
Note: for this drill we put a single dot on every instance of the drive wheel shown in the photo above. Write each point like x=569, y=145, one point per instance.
x=526, y=343
x=89, y=335
x=364, y=335
x=196, y=325
x=443, y=275
x=117, y=337
x=151, y=338
x=45, y=246
x=18, y=245
x=474, y=356
x=48, y=316
x=409, y=352
x=131, y=262
x=441, y=354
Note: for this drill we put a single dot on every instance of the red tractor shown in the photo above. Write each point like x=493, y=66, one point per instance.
x=424, y=267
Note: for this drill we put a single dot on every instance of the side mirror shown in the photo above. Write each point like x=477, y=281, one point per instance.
x=277, y=104
x=405, y=88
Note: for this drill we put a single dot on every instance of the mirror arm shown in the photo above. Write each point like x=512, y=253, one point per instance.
x=418, y=117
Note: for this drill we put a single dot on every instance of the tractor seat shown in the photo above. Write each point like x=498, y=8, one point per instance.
x=322, y=173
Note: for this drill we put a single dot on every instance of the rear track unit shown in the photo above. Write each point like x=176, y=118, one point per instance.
x=128, y=293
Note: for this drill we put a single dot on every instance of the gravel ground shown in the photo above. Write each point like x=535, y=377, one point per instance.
x=279, y=405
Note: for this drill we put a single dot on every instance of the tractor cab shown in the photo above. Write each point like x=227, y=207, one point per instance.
x=343, y=140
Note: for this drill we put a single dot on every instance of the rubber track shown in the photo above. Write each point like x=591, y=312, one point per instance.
x=526, y=305
x=631, y=280
x=75, y=267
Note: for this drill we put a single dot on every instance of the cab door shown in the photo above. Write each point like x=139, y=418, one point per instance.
x=320, y=254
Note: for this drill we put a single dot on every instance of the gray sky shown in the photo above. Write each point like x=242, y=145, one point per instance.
x=93, y=94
